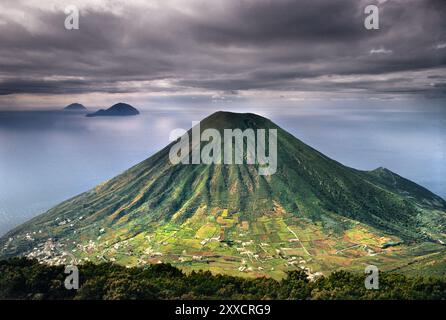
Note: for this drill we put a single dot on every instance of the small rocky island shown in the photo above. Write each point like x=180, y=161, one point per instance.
x=75, y=107
x=117, y=110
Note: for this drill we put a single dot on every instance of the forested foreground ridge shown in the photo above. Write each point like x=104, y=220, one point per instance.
x=21, y=278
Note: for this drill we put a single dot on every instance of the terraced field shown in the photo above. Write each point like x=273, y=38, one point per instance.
x=269, y=246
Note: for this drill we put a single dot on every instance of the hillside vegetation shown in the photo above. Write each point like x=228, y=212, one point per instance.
x=313, y=214
x=27, y=279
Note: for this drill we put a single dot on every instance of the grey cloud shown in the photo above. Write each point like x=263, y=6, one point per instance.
x=226, y=46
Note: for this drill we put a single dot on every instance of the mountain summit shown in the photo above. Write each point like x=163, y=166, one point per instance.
x=75, y=107
x=119, y=109
x=314, y=213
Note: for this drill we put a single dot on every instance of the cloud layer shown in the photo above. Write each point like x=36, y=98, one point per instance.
x=282, y=47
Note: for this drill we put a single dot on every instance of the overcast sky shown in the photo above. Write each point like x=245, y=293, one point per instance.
x=220, y=49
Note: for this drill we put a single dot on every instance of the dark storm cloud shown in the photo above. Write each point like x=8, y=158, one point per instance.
x=271, y=22
x=280, y=45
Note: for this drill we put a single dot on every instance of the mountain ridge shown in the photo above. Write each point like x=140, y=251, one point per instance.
x=75, y=107
x=118, y=110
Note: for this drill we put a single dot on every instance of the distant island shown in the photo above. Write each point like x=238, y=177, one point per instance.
x=119, y=109
x=75, y=107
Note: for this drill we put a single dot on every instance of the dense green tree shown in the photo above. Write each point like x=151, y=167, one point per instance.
x=28, y=279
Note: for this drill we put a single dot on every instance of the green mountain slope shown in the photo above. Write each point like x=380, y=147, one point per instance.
x=313, y=213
